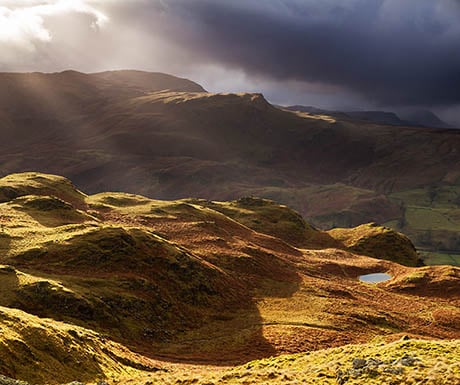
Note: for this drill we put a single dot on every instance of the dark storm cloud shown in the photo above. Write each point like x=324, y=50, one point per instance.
x=363, y=52
x=392, y=51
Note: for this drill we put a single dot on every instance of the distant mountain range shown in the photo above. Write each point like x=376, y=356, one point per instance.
x=167, y=138
x=414, y=117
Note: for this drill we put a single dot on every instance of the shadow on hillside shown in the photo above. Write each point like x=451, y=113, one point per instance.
x=159, y=298
x=9, y=284
x=50, y=211
x=5, y=243
x=234, y=336
x=235, y=333
x=156, y=308
x=39, y=298
x=54, y=220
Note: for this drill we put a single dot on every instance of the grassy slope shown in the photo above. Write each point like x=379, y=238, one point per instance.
x=268, y=217
x=190, y=280
x=41, y=350
x=379, y=242
x=124, y=131
x=437, y=360
x=436, y=363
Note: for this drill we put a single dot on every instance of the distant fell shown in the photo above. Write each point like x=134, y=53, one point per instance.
x=409, y=117
x=72, y=92
x=148, y=81
x=423, y=117
x=165, y=137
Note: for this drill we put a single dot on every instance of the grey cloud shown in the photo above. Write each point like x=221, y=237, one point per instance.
x=393, y=52
x=387, y=52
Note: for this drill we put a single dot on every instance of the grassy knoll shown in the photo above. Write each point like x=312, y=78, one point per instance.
x=87, y=280
x=407, y=362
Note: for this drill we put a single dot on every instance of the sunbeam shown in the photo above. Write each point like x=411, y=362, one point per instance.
x=24, y=24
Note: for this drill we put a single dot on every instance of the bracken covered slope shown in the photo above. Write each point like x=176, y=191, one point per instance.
x=91, y=279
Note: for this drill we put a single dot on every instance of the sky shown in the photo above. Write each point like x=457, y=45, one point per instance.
x=336, y=54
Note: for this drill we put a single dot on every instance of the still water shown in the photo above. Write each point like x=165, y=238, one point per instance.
x=375, y=278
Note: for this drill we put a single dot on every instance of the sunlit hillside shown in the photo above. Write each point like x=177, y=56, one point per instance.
x=233, y=192
x=124, y=285
x=166, y=138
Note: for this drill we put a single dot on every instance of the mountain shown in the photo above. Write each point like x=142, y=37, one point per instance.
x=424, y=118
x=166, y=138
x=121, y=287
x=380, y=117
x=410, y=117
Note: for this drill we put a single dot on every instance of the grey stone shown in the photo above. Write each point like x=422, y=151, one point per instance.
x=341, y=377
x=394, y=370
x=355, y=373
x=406, y=361
x=359, y=363
x=374, y=362
x=11, y=381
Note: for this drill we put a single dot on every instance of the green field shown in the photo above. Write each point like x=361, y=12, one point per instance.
x=438, y=258
x=432, y=221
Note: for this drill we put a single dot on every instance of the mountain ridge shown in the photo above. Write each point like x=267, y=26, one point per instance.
x=414, y=117
x=175, y=144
